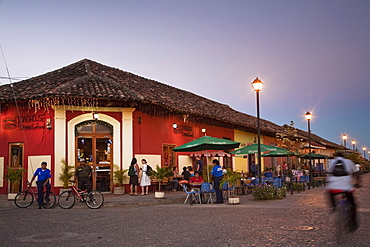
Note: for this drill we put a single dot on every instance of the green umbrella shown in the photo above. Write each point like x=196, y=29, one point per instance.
x=207, y=143
x=281, y=153
x=252, y=149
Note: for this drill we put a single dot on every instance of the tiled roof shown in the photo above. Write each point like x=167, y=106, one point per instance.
x=87, y=79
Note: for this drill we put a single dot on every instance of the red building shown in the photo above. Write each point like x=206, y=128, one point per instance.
x=107, y=116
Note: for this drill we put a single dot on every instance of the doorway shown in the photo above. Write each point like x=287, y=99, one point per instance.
x=94, y=144
x=16, y=159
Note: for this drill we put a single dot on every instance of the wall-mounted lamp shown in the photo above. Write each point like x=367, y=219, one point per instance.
x=174, y=125
x=48, y=123
x=95, y=115
x=204, y=131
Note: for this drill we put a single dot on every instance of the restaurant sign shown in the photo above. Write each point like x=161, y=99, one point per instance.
x=184, y=130
x=26, y=122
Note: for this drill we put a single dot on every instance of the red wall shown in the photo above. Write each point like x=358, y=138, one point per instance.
x=28, y=127
x=152, y=132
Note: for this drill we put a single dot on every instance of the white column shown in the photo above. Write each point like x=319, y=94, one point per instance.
x=127, y=137
x=59, y=143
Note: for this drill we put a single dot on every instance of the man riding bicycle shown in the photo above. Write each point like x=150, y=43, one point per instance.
x=340, y=176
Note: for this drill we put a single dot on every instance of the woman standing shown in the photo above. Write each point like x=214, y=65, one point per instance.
x=134, y=178
x=145, y=179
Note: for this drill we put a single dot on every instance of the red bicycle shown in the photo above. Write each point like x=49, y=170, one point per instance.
x=25, y=198
x=67, y=199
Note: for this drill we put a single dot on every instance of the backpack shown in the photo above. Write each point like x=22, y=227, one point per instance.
x=149, y=170
x=131, y=171
x=339, y=169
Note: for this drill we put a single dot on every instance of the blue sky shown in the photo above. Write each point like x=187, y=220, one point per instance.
x=311, y=55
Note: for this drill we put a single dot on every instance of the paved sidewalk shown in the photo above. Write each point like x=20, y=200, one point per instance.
x=111, y=200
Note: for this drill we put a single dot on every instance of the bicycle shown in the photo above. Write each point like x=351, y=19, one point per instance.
x=343, y=214
x=25, y=198
x=67, y=199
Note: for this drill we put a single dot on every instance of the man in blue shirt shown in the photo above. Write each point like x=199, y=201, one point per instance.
x=217, y=177
x=199, y=166
x=43, y=176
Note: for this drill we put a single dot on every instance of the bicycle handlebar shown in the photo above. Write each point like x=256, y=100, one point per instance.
x=72, y=181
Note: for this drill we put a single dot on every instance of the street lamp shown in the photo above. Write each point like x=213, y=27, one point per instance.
x=257, y=86
x=308, y=117
x=364, y=148
x=353, y=145
x=345, y=143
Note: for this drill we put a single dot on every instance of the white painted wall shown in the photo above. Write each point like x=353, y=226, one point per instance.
x=36, y=163
x=151, y=159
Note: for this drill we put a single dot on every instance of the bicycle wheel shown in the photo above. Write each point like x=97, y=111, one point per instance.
x=23, y=199
x=94, y=199
x=50, y=201
x=66, y=200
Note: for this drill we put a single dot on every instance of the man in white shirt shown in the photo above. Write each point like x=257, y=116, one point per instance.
x=341, y=173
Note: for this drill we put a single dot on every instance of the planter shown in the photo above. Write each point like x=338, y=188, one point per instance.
x=11, y=196
x=234, y=200
x=119, y=190
x=159, y=195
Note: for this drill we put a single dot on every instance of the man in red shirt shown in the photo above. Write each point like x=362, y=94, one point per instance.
x=196, y=181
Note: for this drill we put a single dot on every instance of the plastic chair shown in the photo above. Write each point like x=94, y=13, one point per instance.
x=191, y=194
x=277, y=182
x=206, y=190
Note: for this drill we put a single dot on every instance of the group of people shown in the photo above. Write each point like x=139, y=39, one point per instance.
x=339, y=178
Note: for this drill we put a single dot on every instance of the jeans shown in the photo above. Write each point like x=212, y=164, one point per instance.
x=219, y=198
x=40, y=191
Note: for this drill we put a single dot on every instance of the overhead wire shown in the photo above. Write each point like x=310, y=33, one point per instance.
x=16, y=103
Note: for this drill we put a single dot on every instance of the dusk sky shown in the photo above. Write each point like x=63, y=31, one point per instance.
x=310, y=55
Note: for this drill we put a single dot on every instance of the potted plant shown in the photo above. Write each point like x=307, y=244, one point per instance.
x=14, y=176
x=231, y=177
x=160, y=174
x=65, y=175
x=119, y=177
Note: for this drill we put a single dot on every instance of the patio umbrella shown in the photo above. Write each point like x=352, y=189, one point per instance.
x=252, y=149
x=207, y=143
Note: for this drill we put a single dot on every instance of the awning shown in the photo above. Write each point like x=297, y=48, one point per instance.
x=210, y=154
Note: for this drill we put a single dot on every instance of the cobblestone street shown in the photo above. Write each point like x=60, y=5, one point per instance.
x=302, y=219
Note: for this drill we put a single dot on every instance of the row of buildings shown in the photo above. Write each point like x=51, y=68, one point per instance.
x=109, y=116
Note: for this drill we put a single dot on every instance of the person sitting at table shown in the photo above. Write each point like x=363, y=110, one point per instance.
x=185, y=174
x=175, y=181
x=196, y=182
x=190, y=169
x=269, y=173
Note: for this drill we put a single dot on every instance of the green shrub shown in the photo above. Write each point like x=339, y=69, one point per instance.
x=268, y=192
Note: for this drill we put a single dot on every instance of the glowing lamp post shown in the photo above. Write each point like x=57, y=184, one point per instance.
x=364, y=149
x=257, y=86
x=308, y=118
x=353, y=145
x=344, y=137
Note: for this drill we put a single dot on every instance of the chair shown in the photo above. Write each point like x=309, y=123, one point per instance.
x=165, y=184
x=239, y=187
x=248, y=185
x=207, y=192
x=191, y=194
x=277, y=182
x=226, y=189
